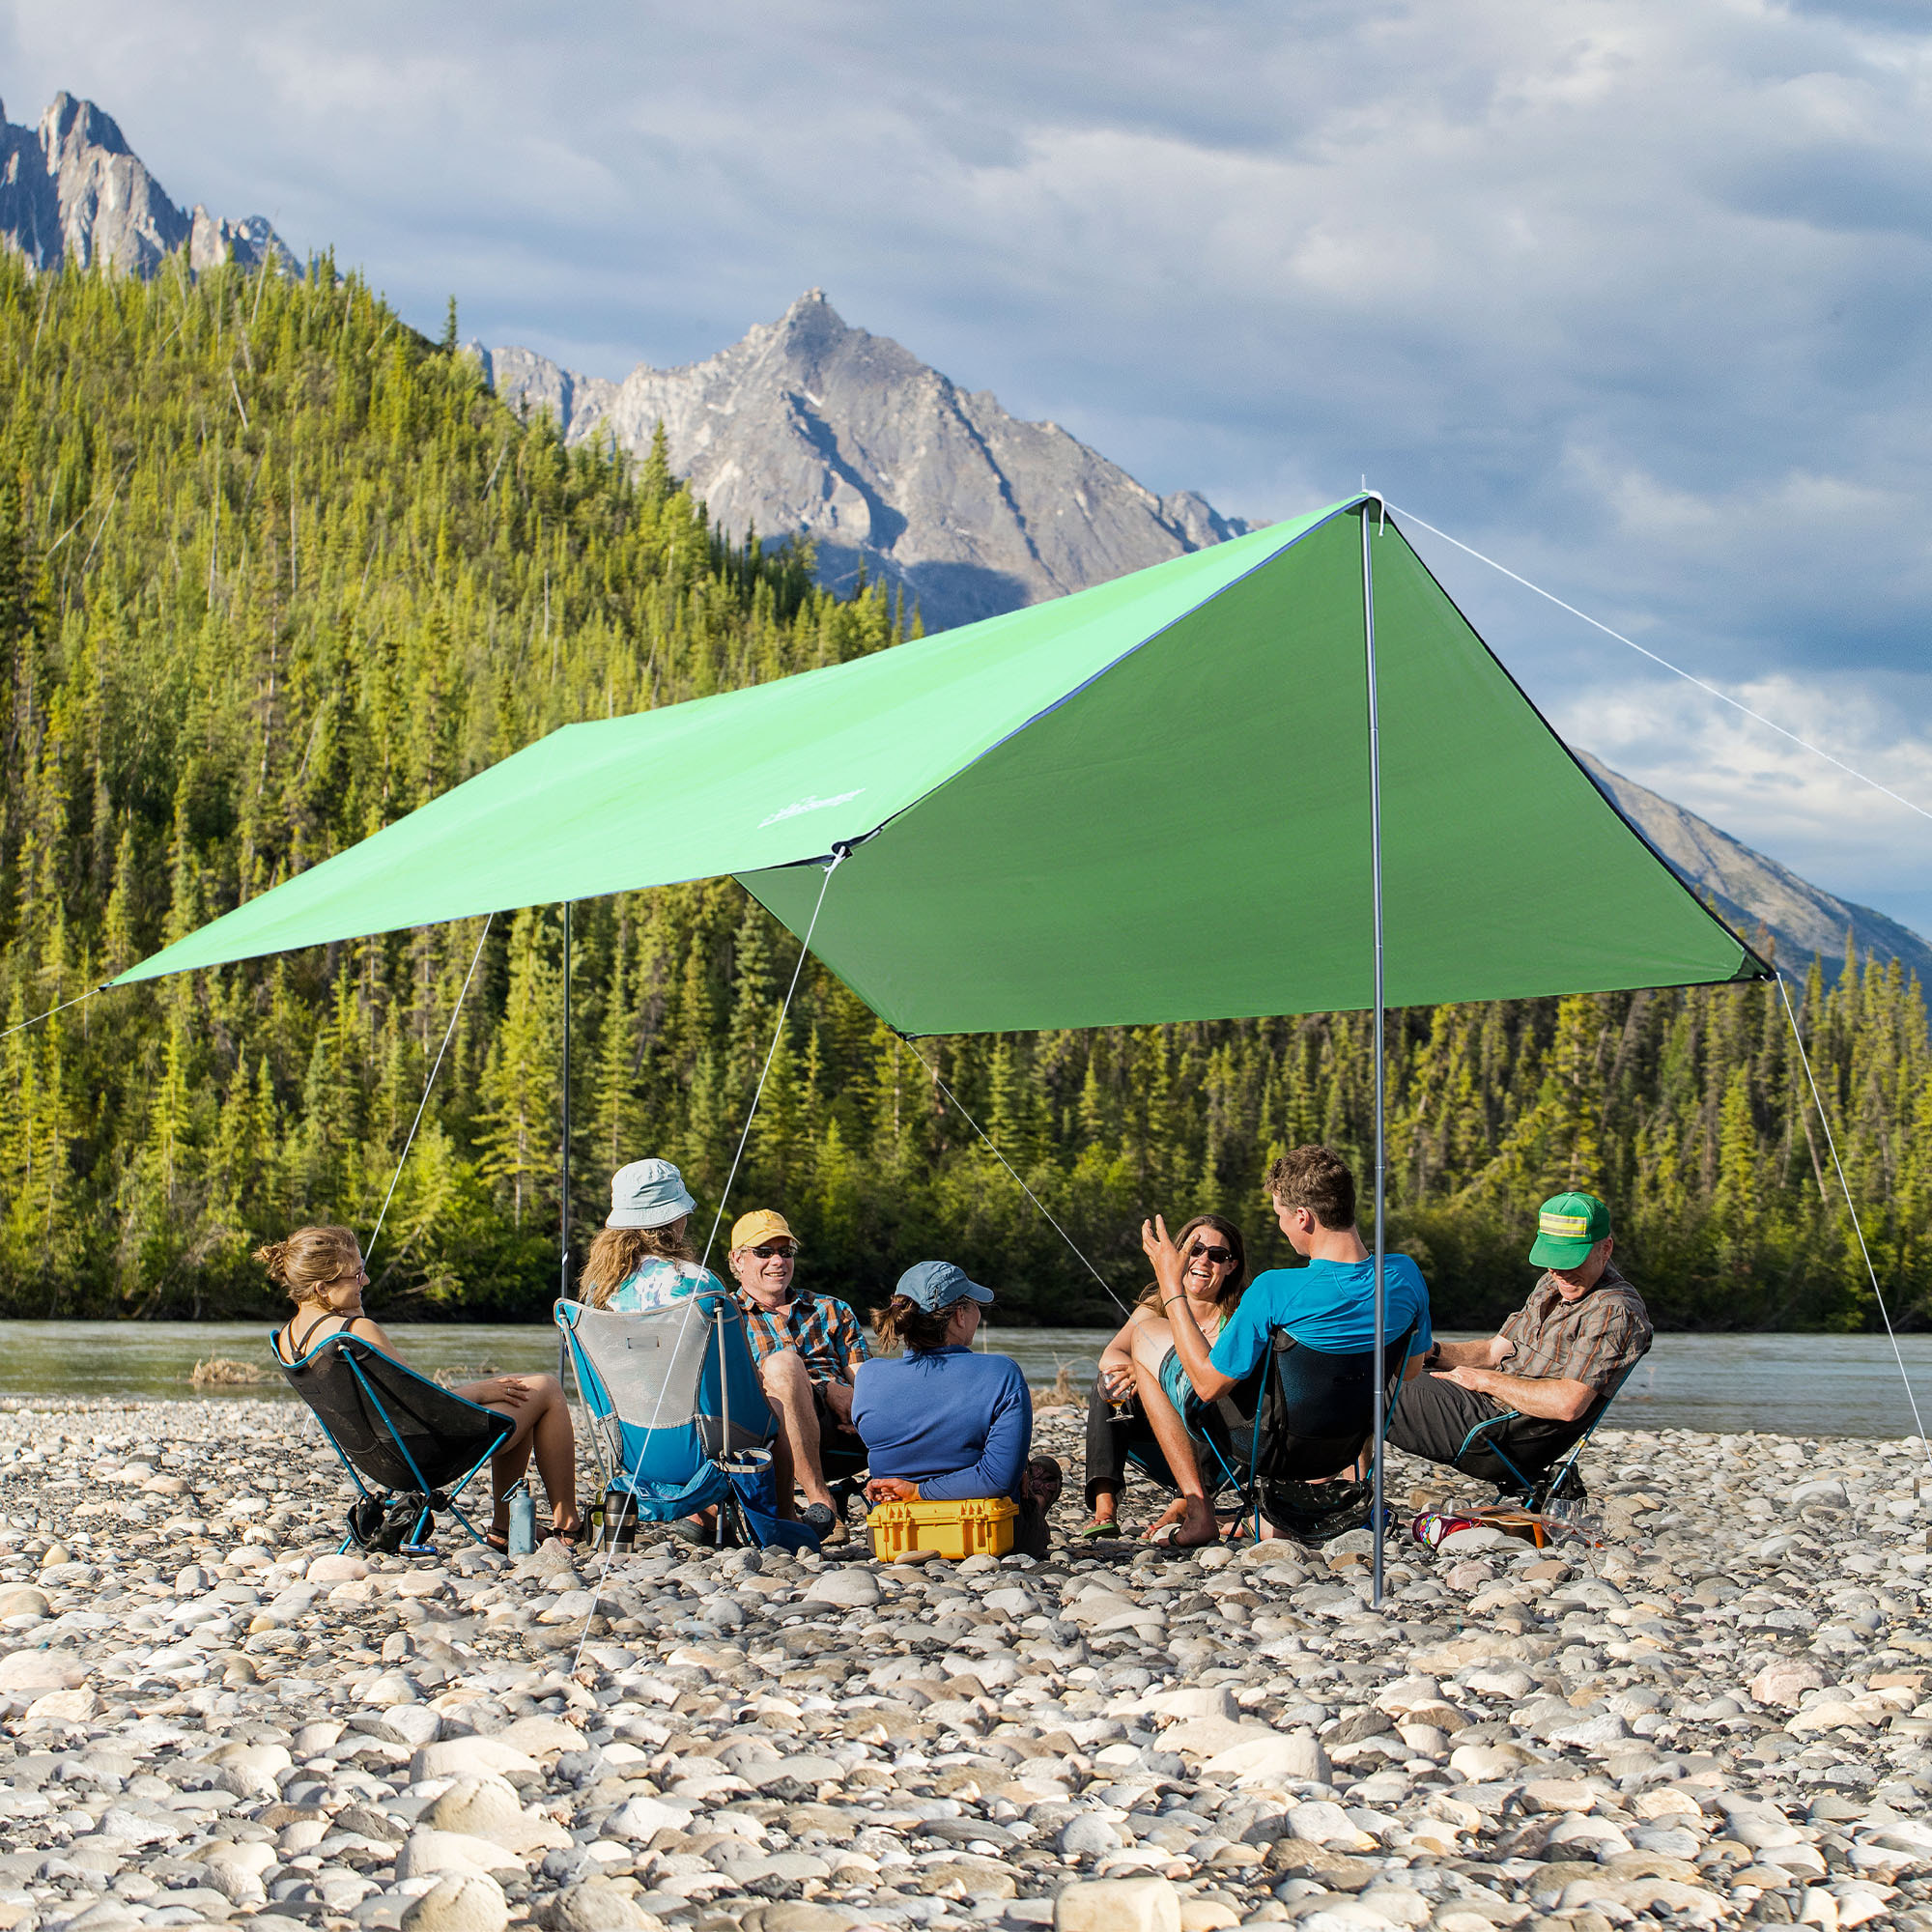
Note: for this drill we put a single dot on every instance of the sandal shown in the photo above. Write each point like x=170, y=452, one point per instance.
x=573, y=1538
x=1043, y=1481
x=1099, y=1526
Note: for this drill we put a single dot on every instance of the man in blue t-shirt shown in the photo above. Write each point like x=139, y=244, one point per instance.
x=1327, y=1305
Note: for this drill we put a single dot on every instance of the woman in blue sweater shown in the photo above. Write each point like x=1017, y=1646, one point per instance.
x=940, y=1424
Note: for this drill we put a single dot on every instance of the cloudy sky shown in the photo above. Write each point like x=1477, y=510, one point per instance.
x=1633, y=297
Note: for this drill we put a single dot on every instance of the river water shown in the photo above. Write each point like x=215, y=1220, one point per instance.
x=1794, y=1385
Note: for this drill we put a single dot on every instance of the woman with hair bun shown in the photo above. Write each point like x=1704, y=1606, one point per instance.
x=321, y=1270
x=940, y=1422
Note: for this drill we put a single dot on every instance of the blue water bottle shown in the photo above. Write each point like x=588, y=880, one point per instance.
x=523, y=1520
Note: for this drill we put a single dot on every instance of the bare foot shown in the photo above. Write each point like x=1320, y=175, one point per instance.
x=1166, y=1519
x=1186, y=1525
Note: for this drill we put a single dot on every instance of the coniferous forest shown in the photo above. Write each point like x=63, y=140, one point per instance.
x=274, y=570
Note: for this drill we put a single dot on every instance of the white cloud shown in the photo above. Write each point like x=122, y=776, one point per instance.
x=1780, y=796
x=1635, y=296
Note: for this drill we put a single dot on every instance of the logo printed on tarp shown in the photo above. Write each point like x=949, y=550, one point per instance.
x=1565, y=1227
x=810, y=801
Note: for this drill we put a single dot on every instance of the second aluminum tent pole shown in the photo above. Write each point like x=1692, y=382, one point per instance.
x=1376, y=899
x=563, y=1211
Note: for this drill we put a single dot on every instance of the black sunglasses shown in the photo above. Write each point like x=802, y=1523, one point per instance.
x=783, y=1249
x=1220, y=1257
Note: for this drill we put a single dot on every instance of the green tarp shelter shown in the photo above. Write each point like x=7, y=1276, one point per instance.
x=1149, y=800
x=1279, y=776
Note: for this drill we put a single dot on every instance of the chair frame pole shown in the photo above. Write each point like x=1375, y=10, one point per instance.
x=1553, y=1475
x=1381, y=1164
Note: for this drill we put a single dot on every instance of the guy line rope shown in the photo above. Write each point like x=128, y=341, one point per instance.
x=1689, y=678
x=449, y=1034
x=839, y=854
x=1804, y=1058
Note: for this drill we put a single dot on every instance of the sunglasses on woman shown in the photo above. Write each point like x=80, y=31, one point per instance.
x=784, y=1250
x=1220, y=1257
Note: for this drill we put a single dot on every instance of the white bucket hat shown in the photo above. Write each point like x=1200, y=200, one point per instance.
x=649, y=1194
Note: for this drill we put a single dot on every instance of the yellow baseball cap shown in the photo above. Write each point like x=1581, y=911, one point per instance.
x=761, y=1224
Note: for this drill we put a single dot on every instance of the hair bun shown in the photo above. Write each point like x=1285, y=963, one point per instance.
x=274, y=1257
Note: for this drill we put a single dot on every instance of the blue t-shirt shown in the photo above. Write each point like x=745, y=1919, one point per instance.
x=1326, y=1305
x=957, y=1423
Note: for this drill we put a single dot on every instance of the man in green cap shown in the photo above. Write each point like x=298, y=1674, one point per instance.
x=1551, y=1364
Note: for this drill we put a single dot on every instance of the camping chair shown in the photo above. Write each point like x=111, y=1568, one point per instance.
x=416, y=1442
x=678, y=1419
x=1315, y=1418
x=1213, y=1429
x=1560, y=1481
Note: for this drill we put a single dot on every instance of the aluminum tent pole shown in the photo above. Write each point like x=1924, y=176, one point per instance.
x=1376, y=897
x=563, y=1210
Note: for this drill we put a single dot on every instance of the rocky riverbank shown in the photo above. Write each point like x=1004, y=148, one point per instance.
x=205, y=1716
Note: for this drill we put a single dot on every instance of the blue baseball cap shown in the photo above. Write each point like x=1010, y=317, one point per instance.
x=935, y=1285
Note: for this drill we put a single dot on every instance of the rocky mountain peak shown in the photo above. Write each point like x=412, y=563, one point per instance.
x=70, y=127
x=811, y=427
x=73, y=190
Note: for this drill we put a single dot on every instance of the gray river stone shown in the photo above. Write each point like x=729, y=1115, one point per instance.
x=1714, y=1710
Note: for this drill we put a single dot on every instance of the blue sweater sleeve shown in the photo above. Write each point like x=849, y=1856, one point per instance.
x=1008, y=1437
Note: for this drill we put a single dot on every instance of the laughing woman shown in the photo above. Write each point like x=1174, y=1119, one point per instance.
x=1119, y=1426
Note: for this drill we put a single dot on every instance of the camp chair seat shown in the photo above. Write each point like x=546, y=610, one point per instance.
x=1316, y=1420
x=678, y=1417
x=1560, y=1477
x=410, y=1445
x=1214, y=1428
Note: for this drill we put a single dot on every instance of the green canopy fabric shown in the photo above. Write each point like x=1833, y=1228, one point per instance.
x=1145, y=802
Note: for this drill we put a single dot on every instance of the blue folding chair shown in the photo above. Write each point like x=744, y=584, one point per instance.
x=678, y=1419
x=417, y=1442
x=1560, y=1479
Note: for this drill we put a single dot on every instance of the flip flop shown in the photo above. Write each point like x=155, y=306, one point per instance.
x=1100, y=1525
x=1044, y=1481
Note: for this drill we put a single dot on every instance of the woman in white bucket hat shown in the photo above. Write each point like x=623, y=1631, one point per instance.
x=641, y=1259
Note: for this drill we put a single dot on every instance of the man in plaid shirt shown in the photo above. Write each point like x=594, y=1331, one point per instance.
x=1551, y=1363
x=807, y=1347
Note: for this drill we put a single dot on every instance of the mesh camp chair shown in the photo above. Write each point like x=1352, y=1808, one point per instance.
x=410, y=1444
x=678, y=1419
x=1315, y=1418
x=1558, y=1480
x=1218, y=1430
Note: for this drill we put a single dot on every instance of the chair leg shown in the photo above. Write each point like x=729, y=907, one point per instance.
x=456, y=1511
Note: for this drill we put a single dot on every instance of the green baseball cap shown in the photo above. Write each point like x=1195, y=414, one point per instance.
x=1567, y=1226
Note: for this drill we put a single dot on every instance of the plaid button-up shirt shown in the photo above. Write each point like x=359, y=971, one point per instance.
x=1591, y=1339
x=822, y=1329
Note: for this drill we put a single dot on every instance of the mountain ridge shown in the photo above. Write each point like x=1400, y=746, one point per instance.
x=809, y=426
x=1750, y=891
